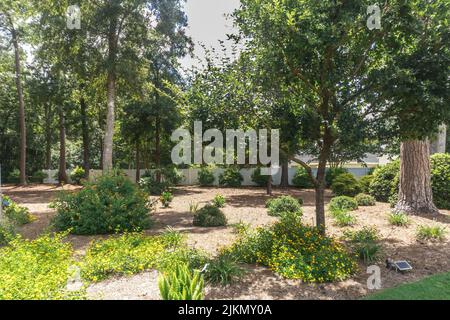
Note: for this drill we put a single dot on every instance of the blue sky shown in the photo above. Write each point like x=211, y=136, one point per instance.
x=207, y=24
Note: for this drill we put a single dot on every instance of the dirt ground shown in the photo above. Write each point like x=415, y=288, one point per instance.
x=248, y=205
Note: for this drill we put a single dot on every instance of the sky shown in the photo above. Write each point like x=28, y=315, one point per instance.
x=207, y=25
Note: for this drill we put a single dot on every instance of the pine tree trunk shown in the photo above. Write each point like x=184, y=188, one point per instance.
x=415, y=195
x=48, y=137
x=320, y=196
x=22, y=127
x=85, y=134
x=111, y=96
x=284, y=183
x=62, y=176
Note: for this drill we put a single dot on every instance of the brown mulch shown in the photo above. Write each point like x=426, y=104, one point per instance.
x=248, y=205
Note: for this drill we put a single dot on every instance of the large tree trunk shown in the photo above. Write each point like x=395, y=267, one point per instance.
x=320, y=195
x=22, y=127
x=284, y=183
x=111, y=96
x=62, y=176
x=85, y=130
x=110, y=118
x=415, y=195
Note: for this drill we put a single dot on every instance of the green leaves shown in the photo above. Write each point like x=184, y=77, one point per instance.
x=181, y=284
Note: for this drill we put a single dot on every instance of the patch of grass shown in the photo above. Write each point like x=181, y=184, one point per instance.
x=436, y=287
x=398, y=219
x=219, y=201
x=431, y=233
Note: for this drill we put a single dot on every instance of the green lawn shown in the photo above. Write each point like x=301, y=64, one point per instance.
x=432, y=288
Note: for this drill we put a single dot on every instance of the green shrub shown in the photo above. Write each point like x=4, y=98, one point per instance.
x=294, y=251
x=14, y=176
x=7, y=231
x=16, y=214
x=364, y=243
x=210, y=216
x=223, y=270
x=283, y=204
x=172, y=238
x=77, y=175
x=343, y=218
x=231, y=178
x=166, y=198
x=398, y=219
x=258, y=178
x=365, y=200
x=301, y=179
x=332, y=173
x=385, y=181
x=393, y=199
x=170, y=177
x=345, y=185
x=39, y=176
x=181, y=284
x=125, y=255
x=343, y=203
x=365, y=182
x=431, y=233
x=111, y=204
x=36, y=270
x=219, y=201
x=440, y=179
x=206, y=176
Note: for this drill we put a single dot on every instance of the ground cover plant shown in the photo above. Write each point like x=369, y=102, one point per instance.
x=294, y=251
x=36, y=269
x=15, y=213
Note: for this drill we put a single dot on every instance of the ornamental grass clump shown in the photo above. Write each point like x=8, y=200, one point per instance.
x=294, y=251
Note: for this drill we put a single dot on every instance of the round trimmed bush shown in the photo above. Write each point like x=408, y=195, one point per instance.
x=206, y=177
x=365, y=200
x=385, y=181
x=346, y=185
x=110, y=204
x=301, y=179
x=282, y=205
x=440, y=180
x=343, y=203
x=231, y=178
x=210, y=216
x=332, y=173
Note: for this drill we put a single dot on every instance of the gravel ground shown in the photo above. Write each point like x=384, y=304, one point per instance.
x=248, y=205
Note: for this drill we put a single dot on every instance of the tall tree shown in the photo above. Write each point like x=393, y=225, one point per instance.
x=325, y=55
x=11, y=21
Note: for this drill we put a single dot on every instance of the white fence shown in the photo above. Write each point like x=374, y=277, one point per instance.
x=190, y=176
